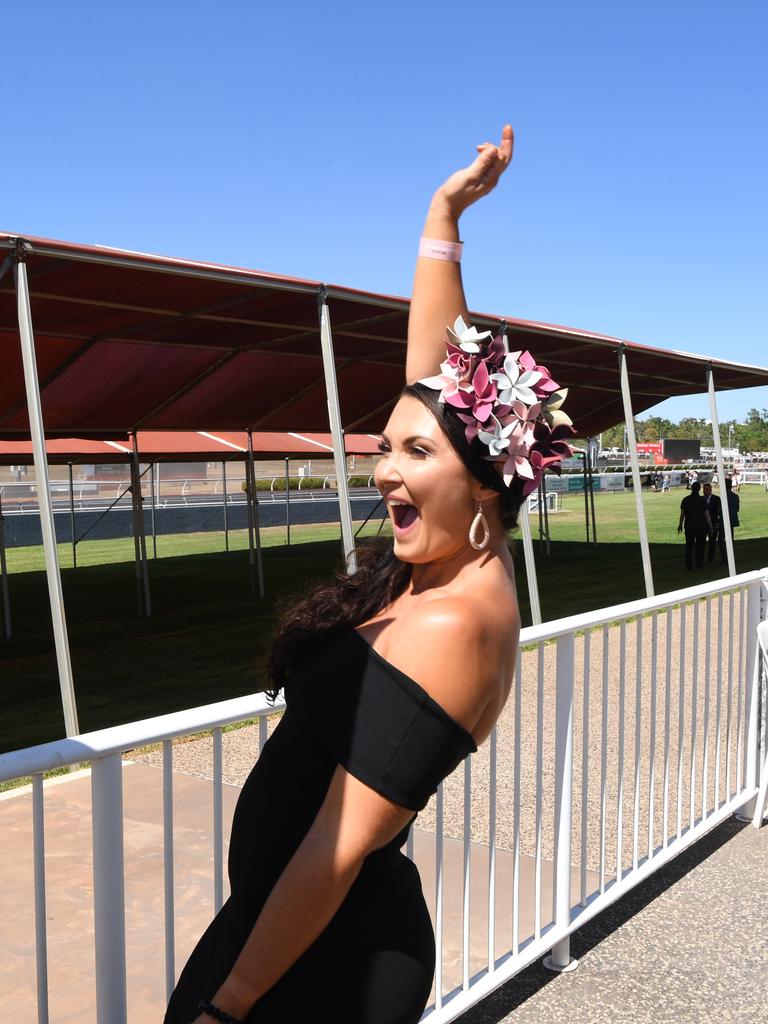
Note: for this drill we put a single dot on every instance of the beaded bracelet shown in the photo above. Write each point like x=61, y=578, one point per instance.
x=213, y=1011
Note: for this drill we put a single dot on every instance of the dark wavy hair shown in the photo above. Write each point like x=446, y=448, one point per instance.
x=351, y=599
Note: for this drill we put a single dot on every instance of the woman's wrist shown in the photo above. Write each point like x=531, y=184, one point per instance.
x=442, y=222
x=234, y=997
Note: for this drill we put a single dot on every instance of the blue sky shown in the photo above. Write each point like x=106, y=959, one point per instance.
x=306, y=139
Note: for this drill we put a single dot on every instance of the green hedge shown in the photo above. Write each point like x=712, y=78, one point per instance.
x=307, y=483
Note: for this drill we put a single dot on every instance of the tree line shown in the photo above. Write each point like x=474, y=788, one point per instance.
x=751, y=435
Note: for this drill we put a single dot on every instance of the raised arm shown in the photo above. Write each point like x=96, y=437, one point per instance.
x=438, y=294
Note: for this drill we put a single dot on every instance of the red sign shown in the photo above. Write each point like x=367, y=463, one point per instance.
x=653, y=448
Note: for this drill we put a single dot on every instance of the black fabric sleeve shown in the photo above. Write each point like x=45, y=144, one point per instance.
x=379, y=724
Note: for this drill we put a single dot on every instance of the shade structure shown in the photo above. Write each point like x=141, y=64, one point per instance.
x=186, y=446
x=127, y=341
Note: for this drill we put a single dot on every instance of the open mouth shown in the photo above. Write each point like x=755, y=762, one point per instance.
x=403, y=516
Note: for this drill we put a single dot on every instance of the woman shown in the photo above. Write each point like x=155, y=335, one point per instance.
x=392, y=676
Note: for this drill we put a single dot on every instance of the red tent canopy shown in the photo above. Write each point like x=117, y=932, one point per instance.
x=186, y=446
x=127, y=341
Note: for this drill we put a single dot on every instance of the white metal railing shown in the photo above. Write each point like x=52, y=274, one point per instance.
x=628, y=734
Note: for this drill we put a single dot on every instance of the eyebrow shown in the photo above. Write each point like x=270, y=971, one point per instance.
x=409, y=440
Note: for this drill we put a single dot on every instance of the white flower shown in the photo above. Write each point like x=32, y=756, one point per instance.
x=515, y=386
x=466, y=338
x=497, y=439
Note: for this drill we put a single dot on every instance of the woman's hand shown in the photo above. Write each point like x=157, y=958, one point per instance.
x=466, y=186
x=438, y=294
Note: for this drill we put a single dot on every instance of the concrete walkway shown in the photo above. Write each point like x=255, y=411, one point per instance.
x=689, y=945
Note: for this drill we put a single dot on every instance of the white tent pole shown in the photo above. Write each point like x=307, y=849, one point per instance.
x=725, y=510
x=135, y=531
x=255, y=516
x=141, y=537
x=4, y=579
x=152, y=507
x=530, y=563
x=632, y=444
x=337, y=431
x=72, y=515
x=249, y=519
x=53, y=572
x=226, y=513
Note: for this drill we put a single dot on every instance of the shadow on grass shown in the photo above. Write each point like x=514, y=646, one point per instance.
x=208, y=640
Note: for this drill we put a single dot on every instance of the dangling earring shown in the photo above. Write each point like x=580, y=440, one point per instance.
x=479, y=523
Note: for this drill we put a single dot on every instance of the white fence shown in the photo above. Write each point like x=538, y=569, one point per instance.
x=629, y=733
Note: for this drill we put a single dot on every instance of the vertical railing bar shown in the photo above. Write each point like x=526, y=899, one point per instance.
x=218, y=822
x=740, y=714
x=263, y=732
x=168, y=883
x=638, y=721
x=620, y=789
x=667, y=722
x=729, y=712
x=539, y=795
x=718, y=700
x=109, y=888
x=41, y=923
x=516, y=818
x=560, y=957
x=604, y=757
x=752, y=678
x=652, y=741
x=707, y=681
x=492, y=853
x=467, y=873
x=680, y=718
x=694, y=710
x=585, y=765
x=439, y=849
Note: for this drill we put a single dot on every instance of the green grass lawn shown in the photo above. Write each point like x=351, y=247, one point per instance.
x=207, y=639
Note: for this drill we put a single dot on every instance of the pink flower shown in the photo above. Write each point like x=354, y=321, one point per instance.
x=545, y=386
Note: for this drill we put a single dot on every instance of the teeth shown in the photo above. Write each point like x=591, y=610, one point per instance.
x=391, y=502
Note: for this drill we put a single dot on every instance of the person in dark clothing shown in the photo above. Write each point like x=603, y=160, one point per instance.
x=715, y=535
x=693, y=513
x=733, y=504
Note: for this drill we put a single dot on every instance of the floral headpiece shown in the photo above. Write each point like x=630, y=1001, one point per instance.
x=507, y=401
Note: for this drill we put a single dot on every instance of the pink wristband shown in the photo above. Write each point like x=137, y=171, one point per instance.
x=437, y=250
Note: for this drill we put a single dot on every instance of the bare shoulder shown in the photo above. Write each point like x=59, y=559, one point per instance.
x=455, y=648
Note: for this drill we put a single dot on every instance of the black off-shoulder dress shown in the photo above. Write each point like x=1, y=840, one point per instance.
x=374, y=962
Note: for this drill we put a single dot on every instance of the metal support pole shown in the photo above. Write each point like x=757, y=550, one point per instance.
x=546, y=513
x=540, y=495
x=337, y=432
x=72, y=516
x=592, y=501
x=725, y=510
x=135, y=485
x=752, y=700
x=141, y=538
x=287, y=499
x=584, y=457
x=630, y=426
x=109, y=889
x=53, y=572
x=152, y=507
x=560, y=958
x=6, y=602
x=254, y=530
x=530, y=563
x=226, y=512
